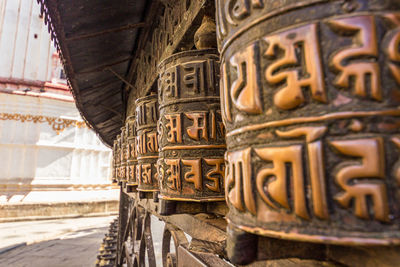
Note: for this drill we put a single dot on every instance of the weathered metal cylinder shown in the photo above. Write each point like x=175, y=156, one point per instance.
x=147, y=143
x=310, y=101
x=114, y=162
x=191, y=133
x=123, y=155
x=118, y=158
x=131, y=153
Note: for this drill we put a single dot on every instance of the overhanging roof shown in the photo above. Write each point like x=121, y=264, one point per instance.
x=97, y=40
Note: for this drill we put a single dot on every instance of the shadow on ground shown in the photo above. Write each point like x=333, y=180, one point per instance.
x=75, y=249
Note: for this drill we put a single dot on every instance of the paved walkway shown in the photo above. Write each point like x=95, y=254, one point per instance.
x=29, y=232
x=58, y=243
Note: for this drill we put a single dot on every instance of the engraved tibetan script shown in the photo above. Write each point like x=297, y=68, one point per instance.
x=363, y=32
x=372, y=166
x=392, y=49
x=301, y=49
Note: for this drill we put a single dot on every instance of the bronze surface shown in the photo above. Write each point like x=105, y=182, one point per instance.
x=192, y=142
x=309, y=93
x=147, y=143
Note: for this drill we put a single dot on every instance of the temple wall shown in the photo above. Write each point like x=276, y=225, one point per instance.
x=49, y=156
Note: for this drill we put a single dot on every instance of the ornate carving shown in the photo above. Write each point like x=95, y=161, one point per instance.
x=392, y=49
x=56, y=123
x=372, y=166
x=304, y=39
x=312, y=127
x=132, y=151
x=364, y=45
x=147, y=143
x=167, y=30
x=191, y=132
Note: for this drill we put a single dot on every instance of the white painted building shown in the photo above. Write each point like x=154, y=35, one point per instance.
x=47, y=153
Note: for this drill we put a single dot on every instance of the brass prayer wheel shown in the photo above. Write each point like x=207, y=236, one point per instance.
x=310, y=100
x=123, y=155
x=147, y=143
x=118, y=158
x=114, y=162
x=131, y=153
x=191, y=133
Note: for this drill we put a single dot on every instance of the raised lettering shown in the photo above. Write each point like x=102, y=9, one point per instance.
x=174, y=174
x=199, y=125
x=194, y=175
x=174, y=125
x=245, y=90
x=362, y=29
x=238, y=186
x=301, y=49
x=371, y=153
x=276, y=189
x=216, y=174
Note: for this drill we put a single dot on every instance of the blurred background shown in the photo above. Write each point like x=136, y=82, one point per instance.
x=52, y=165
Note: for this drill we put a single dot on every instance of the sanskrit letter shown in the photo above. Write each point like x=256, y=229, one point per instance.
x=364, y=45
x=151, y=108
x=168, y=85
x=392, y=49
x=301, y=49
x=146, y=174
x=193, y=77
x=160, y=170
x=277, y=188
x=216, y=174
x=141, y=144
x=174, y=125
x=372, y=166
x=316, y=165
x=152, y=142
x=139, y=173
x=240, y=9
x=174, y=174
x=245, y=91
x=133, y=149
x=199, y=124
x=238, y=181
x=132, y=173
x=224, y=91
x=140, y=115
x=194, y=175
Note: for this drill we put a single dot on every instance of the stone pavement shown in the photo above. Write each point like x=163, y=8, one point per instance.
x=58, y=243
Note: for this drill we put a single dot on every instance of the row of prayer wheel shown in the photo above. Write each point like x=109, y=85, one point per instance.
x=311, y=111
x=174, y=141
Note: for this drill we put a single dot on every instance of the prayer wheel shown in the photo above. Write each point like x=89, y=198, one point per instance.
x=114, y=162
x=123, y=155
x=191, y=133
x=147, y=143
x=131, y=153
x=118, y=158
x=310, y=94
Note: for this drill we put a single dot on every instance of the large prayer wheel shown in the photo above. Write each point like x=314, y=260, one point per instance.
x=192, y=137
x=147, y=143
x=310, y=99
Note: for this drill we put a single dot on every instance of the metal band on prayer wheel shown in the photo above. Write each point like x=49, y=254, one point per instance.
x=147, y=143
x=310, y=99
x=192, y=137
x=131, y=153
